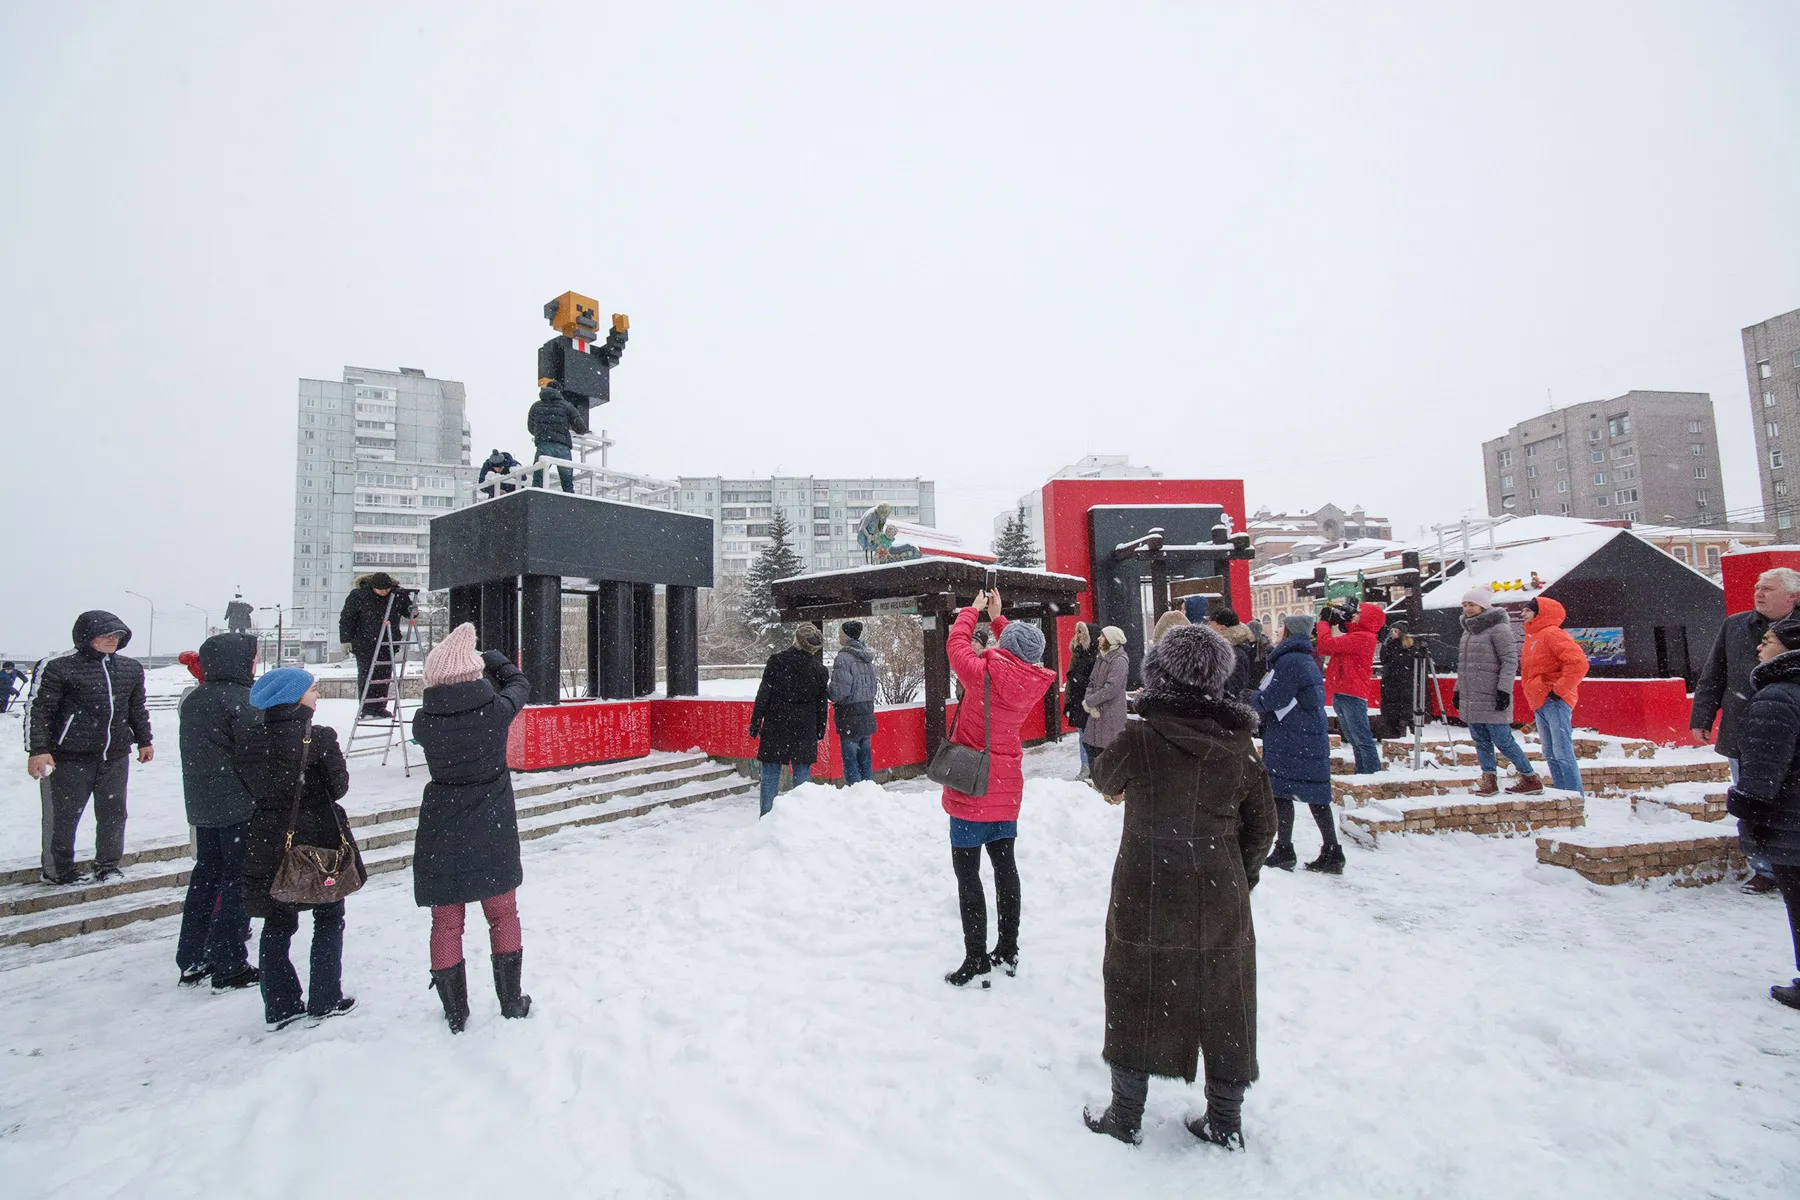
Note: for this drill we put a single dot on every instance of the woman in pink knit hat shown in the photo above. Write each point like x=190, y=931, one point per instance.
x=468, y=843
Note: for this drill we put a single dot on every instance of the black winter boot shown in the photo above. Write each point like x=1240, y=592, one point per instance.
x=1788, y=994
x=1222, y=1123
x=1329, y=862
x=974, y=966
x=1282, y=857
x=452, y=984
x=1124, y=1117
x=507, y=967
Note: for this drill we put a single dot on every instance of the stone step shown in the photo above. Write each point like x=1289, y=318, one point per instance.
x=1690, y=853
x=1596, y=779
x=1504, y=816
x=382, y=828
x=524, y=785
x=163, y=896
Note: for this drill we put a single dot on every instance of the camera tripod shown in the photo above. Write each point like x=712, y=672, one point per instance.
x=1424, y=692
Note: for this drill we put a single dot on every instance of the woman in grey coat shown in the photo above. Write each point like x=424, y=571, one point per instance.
x=1487, y=663
x=1105, y=697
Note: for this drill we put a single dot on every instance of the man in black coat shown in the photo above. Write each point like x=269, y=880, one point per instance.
x=215, y=930
x=85, y=710
x=498, y=463
x=369, y=625
x=1724, y=686
x=552, y=422
x=789, y=716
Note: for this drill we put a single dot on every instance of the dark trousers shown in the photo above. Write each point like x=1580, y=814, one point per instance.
x=280, y=982
x=859, y=758
x=1788, y=880
x=65, y=796
x=1224, y=1098
x=973, y=902
x=215, y=930
x=555, y=450
x=376, y=665
x=1322, y=817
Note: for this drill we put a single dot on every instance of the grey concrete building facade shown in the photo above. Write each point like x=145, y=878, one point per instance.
x=377, y=455
x=1772, y=366
x=822, y=512
x=1643, y=456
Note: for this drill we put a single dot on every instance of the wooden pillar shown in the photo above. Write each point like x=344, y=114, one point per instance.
x=465, y=604
x=593, y=643
x=937, y=671
x=1159, y=587
x=643, y=638
x=616, y=662
x=500, y=616
x=540, y=636
x=681, y=630
x=1052, y=659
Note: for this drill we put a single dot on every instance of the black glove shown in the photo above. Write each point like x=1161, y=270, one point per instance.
x=756, y=733
x=493, y=660
x=1502, y=699
x=1456, y=698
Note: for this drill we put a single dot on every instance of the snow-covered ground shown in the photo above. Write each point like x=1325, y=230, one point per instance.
x=733, y=1008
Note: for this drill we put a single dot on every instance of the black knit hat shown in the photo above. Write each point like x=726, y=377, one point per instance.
x=1787, y=633
x=851, y=629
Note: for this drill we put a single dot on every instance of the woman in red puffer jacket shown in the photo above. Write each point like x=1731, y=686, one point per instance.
x=1010, y=676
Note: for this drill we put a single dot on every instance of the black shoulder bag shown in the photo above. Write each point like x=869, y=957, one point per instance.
x=963, y=768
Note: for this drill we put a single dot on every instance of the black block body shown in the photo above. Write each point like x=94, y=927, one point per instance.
x=581, y=376
x=536, y=531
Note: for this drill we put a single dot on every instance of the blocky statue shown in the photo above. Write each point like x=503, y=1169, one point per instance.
x=238, y=615
x=876, y=537
x=571, y=362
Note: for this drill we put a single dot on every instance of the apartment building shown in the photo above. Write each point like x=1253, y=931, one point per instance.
x=822, y=513
x=1772, y=366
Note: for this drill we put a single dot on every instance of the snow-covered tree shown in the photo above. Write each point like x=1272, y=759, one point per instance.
x=1014, y=547
x=777, y=561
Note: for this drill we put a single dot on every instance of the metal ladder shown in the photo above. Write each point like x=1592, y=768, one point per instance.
x=378, y=733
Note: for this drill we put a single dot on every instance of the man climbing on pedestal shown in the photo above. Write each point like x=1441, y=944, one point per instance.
x=552, y=422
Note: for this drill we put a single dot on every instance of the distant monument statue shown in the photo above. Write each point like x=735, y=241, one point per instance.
x=238, y=615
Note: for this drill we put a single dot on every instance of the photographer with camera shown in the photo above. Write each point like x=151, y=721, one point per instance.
x=1349, y=670
x=368, y=628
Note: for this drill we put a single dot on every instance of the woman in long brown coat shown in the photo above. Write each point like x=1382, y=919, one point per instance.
x=1180, y=946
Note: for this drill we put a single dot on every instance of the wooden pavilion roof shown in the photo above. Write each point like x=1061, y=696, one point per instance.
x=933, y=584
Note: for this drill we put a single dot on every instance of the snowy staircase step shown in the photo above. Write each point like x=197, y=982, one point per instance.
x=32, y=914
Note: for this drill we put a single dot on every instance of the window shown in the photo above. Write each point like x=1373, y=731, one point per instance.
x=1696, y=450
x=1534, y=493
x=1693, y=427
x=1619, y=426
x=1712, y=557
x=1630, y=516
x=822, y=514
x=1601, y=501
x=1624, y=473
x=758, y=531
x=1557, y=442
x=1506, y=481
x=1699, y=472
x=1531, y=471
x=1768, y=399
x=1562, y=485
x=1599, y=478
x=1563, y=508
x=1703, y=497
x=1562, y=464
x=1531, y=450
x=1593, y=435
x=1781, y=487
x=1784, y=521
x=1680, y=553
x=1625, y=496
x=1505, y=461
x=1624, y=452
x=1597, y=456
x=1774, y=460
x=1764, y=370
x=1774, y=428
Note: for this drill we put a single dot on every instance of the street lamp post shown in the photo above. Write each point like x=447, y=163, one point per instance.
x=150, y=653
x=205, y=621
x=278, y=629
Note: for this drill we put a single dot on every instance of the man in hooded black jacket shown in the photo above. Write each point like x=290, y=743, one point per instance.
x=553, y=422
x=85, y=711
x=370, y=624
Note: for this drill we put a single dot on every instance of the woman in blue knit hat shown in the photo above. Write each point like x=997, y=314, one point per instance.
x=282, y=754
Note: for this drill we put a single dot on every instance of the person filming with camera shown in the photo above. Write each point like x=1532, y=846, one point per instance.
x=1347, y=641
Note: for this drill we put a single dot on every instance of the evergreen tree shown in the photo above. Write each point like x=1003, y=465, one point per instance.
x=1014, y=547
x=777, y=561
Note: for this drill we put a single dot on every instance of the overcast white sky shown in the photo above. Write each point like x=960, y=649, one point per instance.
x=1326, y=248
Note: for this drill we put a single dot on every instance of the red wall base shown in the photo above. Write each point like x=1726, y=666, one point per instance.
x=546, y=736
x=1652, y=709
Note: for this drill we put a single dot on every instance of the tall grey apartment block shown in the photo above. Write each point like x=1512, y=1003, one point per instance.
x=377, y=455
x=1772, y=365
x=822, y=513
x=1643, y=456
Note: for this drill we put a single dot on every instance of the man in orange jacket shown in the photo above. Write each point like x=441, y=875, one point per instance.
x=1551, y=668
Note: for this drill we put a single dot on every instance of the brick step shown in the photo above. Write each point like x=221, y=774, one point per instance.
x=1503, y=816
x=163, y=896
x=1687, y=855
x=1609, y=779
x=524, y=786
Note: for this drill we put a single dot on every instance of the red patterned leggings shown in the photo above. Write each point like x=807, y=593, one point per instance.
x=502, y=913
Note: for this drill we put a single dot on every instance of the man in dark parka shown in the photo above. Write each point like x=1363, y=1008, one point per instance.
x=1180, y=966
x=789, y=716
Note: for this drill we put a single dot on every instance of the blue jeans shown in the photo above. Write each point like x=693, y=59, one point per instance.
x=1555, y=726
x=859, y=758
x=1353, y=723
x=280, y=983
x=215, y=930
x=555, y=450
x=771, y=781
x=1498, y=734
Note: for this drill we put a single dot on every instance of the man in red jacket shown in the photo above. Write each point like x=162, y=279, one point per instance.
x=1349, y=671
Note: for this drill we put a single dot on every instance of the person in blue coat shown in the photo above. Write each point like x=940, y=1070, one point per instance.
x=1297, y=745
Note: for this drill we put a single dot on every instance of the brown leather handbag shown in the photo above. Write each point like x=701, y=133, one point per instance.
x=963, y=768
x=315, y=874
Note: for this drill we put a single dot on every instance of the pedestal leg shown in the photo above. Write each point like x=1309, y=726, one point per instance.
x=616, y=663
x=681, y=627
x=541, y=636
x=643, y=638
x=465, y=604
x=593, y=644
x=500, y=616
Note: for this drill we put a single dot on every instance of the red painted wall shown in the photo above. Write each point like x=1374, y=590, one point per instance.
x=1656, y=709
x=1742, y=568
x=1066, y=546
x=545, y=736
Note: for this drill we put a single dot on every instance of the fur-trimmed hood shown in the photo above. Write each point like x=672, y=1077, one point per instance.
x=1783, y=668
x=1189, y=719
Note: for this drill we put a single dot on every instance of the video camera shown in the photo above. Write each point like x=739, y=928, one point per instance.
x=1336, y=615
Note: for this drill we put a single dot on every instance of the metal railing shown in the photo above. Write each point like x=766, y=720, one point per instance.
x=589, y=480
